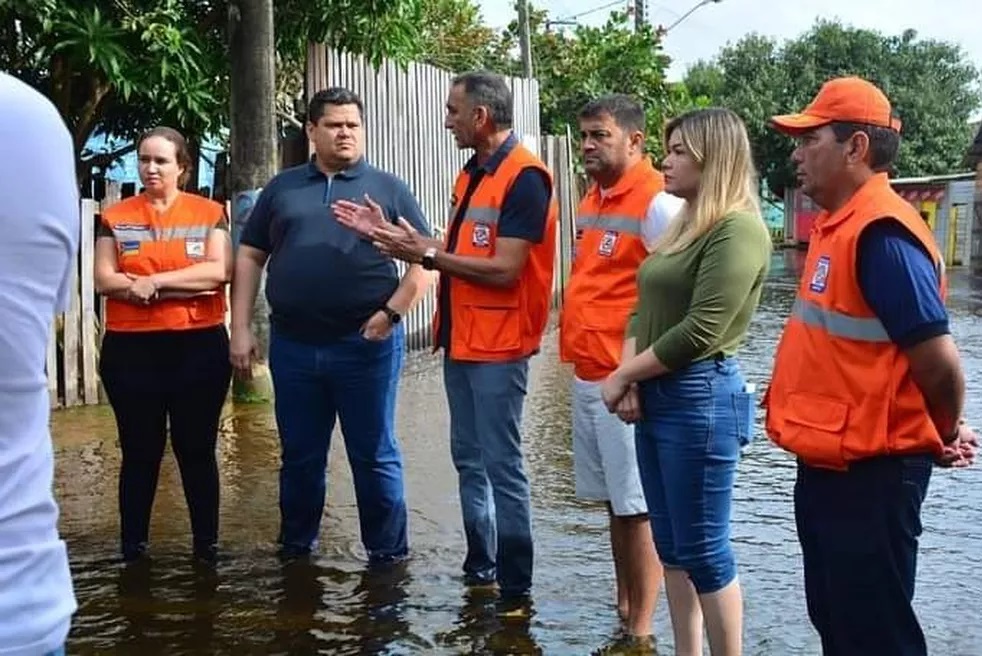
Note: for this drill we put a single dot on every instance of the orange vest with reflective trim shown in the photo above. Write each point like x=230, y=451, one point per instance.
x=842, y=391
x=148, y=242
x=602, y=288
x=493, y=324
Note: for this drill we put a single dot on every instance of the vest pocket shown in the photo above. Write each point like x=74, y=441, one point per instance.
x=814, y=427
x=492, y=326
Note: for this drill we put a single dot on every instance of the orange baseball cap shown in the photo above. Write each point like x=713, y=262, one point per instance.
x=846, y=99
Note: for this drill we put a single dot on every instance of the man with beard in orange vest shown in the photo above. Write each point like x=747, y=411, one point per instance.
x=867, y=389
x=622, y=214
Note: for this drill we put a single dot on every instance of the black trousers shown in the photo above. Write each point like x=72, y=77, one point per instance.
x=859, y=531
x=153, y=379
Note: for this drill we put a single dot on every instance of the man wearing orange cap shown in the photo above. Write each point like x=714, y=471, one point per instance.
x=867, y=389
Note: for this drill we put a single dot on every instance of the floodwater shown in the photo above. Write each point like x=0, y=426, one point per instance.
x=253, y=605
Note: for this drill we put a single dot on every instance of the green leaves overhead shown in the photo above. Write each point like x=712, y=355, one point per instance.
x=121, y=66
x=574, y=66
x=931, y=84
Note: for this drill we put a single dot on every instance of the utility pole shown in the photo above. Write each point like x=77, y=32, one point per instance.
x=253, y=151
x=640, y=17
x=525, y=37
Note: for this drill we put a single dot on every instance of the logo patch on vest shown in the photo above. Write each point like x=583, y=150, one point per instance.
x=129, y=248
x=194, y=247
x=820, y=277
x=608, y=243
x=481, y=237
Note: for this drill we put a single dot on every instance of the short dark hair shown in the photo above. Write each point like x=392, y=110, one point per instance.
x=332, y=96
x=625, y=110
x=181, y=151
x=485, y=89
x=883, y=142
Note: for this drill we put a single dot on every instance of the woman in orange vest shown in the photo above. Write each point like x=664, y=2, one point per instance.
x=696, y=294
x=162, y=260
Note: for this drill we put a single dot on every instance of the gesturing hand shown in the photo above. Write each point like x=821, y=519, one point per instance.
x=400, y=241
x=360, y=218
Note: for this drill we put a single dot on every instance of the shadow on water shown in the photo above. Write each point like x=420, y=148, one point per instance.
x=251, y=604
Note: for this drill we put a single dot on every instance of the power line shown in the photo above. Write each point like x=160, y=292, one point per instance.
x=609, y=5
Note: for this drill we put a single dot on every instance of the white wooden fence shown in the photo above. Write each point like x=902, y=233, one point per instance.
x=72, y=346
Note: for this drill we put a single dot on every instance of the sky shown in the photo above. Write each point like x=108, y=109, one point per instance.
x=712, y=26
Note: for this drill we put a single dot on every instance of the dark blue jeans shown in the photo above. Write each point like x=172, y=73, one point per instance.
x=353, y=379
x=486, y=401
x=858, y=531
x=688, y=445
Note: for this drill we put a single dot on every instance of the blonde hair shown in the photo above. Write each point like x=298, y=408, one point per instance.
x=718, y=142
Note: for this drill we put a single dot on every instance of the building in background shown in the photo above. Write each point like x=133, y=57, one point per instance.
x=973, y=160
x=947, y=203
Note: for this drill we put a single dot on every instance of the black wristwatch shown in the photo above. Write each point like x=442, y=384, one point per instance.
x=429, y=259
x=394, y=317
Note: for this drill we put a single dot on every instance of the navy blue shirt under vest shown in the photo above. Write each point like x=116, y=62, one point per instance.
x=524, y=212
x=323, y=280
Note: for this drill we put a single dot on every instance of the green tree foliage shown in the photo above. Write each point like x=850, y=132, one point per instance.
x=121, y=66
x=931, y=84
x=577, y=65
x=455, y=36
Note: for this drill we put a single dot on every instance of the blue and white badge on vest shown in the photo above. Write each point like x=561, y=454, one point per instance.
x=481, y=237
x=608, y=243
x=129, y=248
x=820, y=277
x=194, y=247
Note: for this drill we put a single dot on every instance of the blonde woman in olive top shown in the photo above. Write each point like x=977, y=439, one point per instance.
x=696, y=294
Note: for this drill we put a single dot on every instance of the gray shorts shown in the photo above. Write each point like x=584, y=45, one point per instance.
x=604, y=457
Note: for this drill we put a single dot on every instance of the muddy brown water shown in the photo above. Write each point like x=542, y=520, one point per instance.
x=253, y=605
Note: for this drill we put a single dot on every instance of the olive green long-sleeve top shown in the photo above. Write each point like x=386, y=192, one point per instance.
x=696, y=303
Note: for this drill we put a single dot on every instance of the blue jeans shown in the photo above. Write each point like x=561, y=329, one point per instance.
x=354, y=379
x=858, y=531
x=688, y=444
x=486, y=401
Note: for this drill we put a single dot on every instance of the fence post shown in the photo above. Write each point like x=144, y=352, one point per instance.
x=90, y=386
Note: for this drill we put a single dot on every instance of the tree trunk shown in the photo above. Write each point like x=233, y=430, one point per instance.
x=252, y=146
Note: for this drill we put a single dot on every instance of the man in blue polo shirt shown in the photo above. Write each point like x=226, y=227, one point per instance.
x=336, y=344
x=867, y=388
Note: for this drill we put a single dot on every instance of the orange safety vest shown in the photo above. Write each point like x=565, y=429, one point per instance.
x=602, y=288
x=841, y=389
x=494, y=324
x=148, y=243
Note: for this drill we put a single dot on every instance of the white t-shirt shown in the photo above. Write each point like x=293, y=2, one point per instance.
x=662, y=210
x=39, y=234
x=664, y=207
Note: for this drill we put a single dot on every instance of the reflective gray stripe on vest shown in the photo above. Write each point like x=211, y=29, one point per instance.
x=609, y=222
x=487, y=215
x=839, y=324
x=130, y=233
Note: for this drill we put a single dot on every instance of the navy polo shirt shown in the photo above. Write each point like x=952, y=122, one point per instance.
x=898, y=279
x=524, y=211
x=323, y=280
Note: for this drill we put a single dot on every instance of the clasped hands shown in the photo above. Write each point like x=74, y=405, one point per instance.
x=621, y=397
x=960, y=452
x=142, y=289
x=398, y=240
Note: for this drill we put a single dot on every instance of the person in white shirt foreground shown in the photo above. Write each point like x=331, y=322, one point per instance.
x=39, y=221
